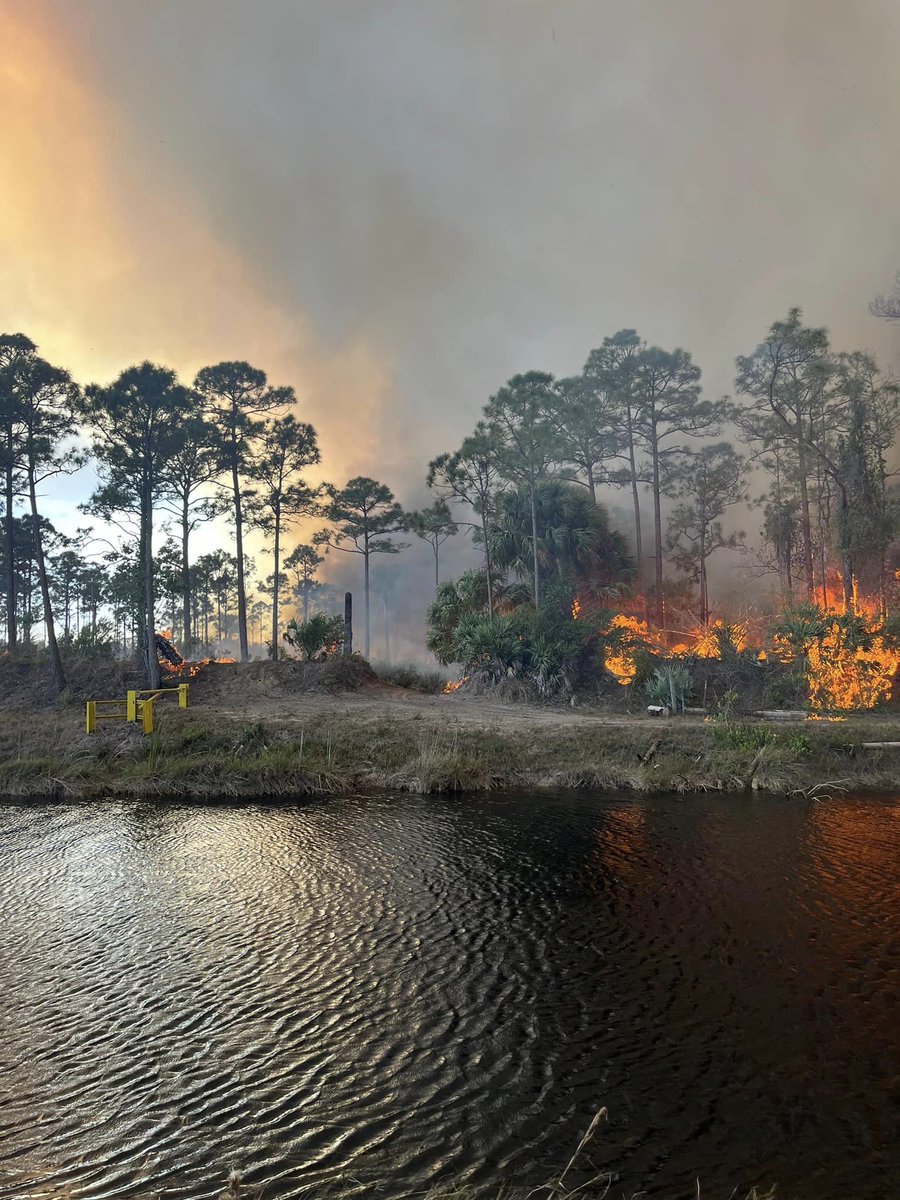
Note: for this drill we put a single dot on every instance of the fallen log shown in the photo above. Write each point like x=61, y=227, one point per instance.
x=645, y=758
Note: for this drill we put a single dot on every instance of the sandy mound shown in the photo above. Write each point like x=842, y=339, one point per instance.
x=25, y=683
x=240, y=683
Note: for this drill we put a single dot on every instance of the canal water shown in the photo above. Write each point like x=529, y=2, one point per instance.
x=394, y=991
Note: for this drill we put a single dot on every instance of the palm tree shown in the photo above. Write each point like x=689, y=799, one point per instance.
x=575, y=542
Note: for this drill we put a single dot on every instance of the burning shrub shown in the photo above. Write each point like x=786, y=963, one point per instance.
x=849, y=659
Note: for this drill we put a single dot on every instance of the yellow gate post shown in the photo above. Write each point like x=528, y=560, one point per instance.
x=147, y=715
x=182, y=695
x=131, y=706
x=91, y=716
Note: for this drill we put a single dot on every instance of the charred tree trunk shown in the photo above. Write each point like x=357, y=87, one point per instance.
x=139, y=612
x=348, y=624
x=704, y=584
x=846, y=554
x=805, y=522
x=488, y=570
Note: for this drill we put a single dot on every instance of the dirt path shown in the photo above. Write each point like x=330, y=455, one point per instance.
x=289, y=692
x=379, y=703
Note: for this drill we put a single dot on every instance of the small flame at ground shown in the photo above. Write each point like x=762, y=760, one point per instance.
x=174, y=664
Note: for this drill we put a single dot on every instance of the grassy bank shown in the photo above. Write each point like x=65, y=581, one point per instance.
x=46, y=753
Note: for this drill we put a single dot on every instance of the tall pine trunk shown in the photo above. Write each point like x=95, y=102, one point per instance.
x=10, y=540
x=186, y=609
x=635, y=496
x=846, y=555
x=805, y=521
x=239, y=547
x=657, y=523
x=704, y=585
x=366, y=586
x=275, y=585
x=149, y=598
x=488, y=569
x=534, y=549
x=56, y=666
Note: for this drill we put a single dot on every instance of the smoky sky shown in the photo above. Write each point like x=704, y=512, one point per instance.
x=473, y=188
x=483, y=187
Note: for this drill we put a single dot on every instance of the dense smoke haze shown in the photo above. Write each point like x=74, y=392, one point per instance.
x=394, y=207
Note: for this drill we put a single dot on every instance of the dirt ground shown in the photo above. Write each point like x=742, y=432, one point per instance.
x=289, y=691
x=278, y=692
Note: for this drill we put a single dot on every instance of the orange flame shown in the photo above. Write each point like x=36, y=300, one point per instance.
x=842, y=674
x=453, y=685
x=186, y=668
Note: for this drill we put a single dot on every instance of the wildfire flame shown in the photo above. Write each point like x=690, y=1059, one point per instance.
x=453, y=685
x=851, y=665
x=172, y=662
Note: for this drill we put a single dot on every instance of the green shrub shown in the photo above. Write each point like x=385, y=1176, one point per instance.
x=670, y=685
x=786, y=688
x=316, y=638
x=491, y=649
x=743, y=737
x=798, y=744
x=453, y=600
x=726, y=705
x=97, y=642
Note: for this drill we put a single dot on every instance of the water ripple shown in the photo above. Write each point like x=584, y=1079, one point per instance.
x=394, y=989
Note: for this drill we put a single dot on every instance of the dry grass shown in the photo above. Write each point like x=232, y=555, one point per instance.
x=298, y=738
x=46, y=753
